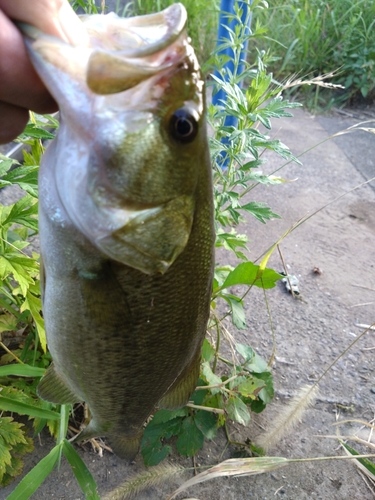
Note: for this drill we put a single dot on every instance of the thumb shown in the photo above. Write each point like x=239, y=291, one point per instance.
x=54, y=17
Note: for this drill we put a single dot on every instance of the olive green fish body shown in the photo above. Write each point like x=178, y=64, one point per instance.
x=125, y=227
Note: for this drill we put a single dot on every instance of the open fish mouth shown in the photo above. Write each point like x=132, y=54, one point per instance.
x=150, y=48
x=122, y=52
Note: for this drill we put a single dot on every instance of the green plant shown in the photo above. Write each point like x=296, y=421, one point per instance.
x=216, y=399
x=236, y=152
x=20, y=304
x=202, y=21
x=316, y=37
x=20, y=311
x=88, y=6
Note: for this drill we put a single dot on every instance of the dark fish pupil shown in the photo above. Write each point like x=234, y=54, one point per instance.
x=183, y=125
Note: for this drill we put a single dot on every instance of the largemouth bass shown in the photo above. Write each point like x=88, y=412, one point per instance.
x=126, y=224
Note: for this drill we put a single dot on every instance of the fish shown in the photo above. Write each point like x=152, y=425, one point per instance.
x=125, y=220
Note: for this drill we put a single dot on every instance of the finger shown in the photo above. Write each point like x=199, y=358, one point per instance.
x=13, y=120
x=54, y=17
x=19, y=83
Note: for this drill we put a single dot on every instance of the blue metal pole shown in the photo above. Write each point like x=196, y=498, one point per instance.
x=227, y=6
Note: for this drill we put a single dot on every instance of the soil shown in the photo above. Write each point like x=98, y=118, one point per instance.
x=311, y=329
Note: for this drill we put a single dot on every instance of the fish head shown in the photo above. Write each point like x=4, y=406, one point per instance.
x=132, y=143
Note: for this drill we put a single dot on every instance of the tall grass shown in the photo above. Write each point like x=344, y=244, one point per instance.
x=203, y=18
x=320, y=36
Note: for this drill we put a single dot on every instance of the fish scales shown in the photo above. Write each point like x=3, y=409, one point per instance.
x=126, y=221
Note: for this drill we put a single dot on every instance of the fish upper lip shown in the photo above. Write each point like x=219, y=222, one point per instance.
x=162, y=27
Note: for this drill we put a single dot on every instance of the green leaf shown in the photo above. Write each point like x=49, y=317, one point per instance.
x=25, y=176
x=160, y=427
x=253, y=362
x=81, y=472
x=210, y=376
x=163, y=416
x=7, y=404
x=16, y=466
x=8, y=322
x=370, y=466
x=206, y=423
x=31, y=482
x=20, y=172
x=237, y=310
x=267, y=393
x=250, y=387
x=5, y=165
x=19, y=370
x=246, y=352
x=198, y=396
x=260, y=211
x=257, y=405
x=190, y=439
x=5, y=458
x=217, y=401
x=251, y=164
x=11, y=431
x=35, y=132
x=152, y=449
x=247, y=273
x=22, y=269
x=169, y=428
x=208, y=352
x=40, y=423
x=22, y=212
x=237, y=410
x=34, y=304
x=230, y=241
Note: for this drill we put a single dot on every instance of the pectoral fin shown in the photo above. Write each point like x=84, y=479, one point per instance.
x=52, y=388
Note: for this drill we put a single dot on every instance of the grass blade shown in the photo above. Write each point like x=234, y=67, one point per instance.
x=81, y=472
x=364, y=464
x=63, y=427
x=19, y=370
x=235, y=467
x=7, y=404
x=31, y=482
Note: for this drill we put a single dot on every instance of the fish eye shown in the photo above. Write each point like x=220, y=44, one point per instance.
x=183, y=125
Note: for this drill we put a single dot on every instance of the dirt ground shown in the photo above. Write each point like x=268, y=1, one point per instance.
x=311, y=331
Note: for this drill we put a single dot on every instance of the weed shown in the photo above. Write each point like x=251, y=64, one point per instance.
x=315, y=37
x=202, y=21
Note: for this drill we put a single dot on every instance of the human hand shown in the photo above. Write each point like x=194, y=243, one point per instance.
x=20, y=87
